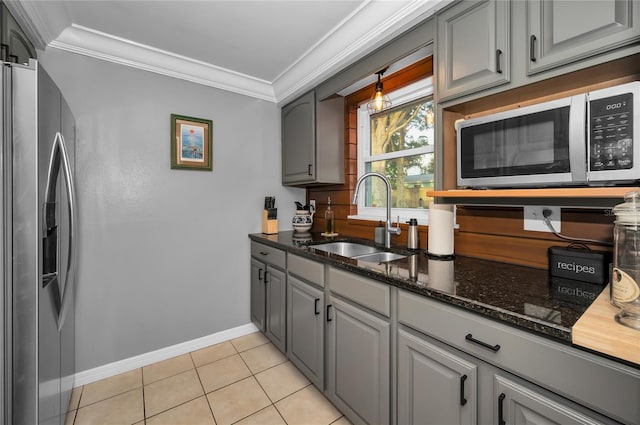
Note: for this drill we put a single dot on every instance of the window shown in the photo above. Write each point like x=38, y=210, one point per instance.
x=398, y=143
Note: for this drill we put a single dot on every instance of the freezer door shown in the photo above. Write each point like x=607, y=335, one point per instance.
x=57, y=319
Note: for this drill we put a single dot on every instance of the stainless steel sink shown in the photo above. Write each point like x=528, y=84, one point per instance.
x=358, y=251
x=346, y=249
x=380, y=257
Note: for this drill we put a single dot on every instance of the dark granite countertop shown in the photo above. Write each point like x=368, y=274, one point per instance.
x=516, y=295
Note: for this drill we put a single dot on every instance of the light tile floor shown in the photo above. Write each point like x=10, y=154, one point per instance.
x=243, y=381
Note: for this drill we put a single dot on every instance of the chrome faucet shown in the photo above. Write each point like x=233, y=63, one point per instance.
x=389, y=229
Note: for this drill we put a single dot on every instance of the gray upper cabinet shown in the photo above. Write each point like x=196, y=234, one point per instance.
x=435, y=386
x=14, y=44
x=312, y=141
x=561, y=32
x=472, y=47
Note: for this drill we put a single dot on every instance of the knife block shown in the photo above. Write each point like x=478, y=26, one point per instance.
x=269, y=226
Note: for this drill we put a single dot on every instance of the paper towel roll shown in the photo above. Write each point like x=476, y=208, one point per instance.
x=440, y=239
x=441, y=274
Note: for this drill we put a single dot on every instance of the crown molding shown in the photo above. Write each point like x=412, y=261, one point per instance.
x=366, y=29
x=99, y=45
x=331, y=56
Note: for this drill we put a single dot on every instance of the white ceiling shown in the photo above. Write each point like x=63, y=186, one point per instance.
x=268, y=49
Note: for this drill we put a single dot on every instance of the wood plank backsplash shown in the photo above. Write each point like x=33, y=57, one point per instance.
x=493, y=233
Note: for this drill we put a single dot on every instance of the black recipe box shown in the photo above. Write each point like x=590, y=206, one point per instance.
x=579, y=264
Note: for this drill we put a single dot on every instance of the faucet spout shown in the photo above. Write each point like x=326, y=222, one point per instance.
x=389, y=229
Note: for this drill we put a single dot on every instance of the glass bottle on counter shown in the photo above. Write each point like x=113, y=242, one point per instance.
x=329, y=219
x=625, y=288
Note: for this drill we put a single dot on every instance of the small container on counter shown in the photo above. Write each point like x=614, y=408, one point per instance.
x=625, y=279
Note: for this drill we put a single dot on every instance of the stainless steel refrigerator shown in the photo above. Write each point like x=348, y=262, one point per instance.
x=38, y=251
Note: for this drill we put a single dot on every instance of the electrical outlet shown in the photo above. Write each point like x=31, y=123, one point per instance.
x=312, y=202
x=534, y=218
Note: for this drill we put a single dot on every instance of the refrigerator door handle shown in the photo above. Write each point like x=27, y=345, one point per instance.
x=60, y=156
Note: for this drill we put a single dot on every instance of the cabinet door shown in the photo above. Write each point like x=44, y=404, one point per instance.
x=305, y=329
x=15, y=45
x=299, y=140
x=434, y=385
x=520, y=405
x=358, y=363
x=276, y=289
x=258, y=303
x=562, y=32
x=473, y=47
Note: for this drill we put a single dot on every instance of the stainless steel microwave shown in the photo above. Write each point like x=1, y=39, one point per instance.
x=586, y=139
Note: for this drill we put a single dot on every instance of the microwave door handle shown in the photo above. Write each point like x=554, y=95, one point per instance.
x=577, y=139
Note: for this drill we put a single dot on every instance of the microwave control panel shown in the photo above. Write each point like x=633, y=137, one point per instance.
x=611, y=133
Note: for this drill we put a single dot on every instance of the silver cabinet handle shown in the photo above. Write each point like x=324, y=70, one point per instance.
x=60, y=156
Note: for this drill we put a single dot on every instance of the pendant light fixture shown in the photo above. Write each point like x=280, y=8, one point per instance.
x=379, y=101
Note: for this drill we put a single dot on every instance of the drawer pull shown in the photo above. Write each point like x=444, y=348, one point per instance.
x=315, y=306
x=493, y=348
x=264, y=253
x=329, y=319
x=501, y=398
x=463, y=400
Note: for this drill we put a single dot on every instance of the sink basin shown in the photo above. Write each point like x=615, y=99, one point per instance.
x=346, y=249
x=358, y=251
x=380, y=257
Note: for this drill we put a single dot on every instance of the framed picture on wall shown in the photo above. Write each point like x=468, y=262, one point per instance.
x=191, y=143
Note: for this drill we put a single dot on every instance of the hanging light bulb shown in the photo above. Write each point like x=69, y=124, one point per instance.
x=379, y=101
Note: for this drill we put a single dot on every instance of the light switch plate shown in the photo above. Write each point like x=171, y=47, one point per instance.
x=534, y=220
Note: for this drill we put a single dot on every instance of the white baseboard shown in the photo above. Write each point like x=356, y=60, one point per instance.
x=88, y=376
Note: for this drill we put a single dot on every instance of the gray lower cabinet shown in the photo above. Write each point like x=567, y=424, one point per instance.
x=435, y=386
x=276, y=311
x=561, y=32
x=532, y=380
x=269, y=293
x=438, y=384
x=305, y=327
x=522, y=404
x=358, y=363
x=473, y=47
x=258, y=294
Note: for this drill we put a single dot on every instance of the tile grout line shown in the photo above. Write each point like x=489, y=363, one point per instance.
x=144, y=403
x=202, y=385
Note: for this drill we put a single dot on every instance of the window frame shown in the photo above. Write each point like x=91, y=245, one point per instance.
x=405, y=95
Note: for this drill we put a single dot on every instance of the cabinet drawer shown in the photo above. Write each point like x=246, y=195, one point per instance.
x=308, y=270
x=575, y=374
x=363, y=291
x=269, y=255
